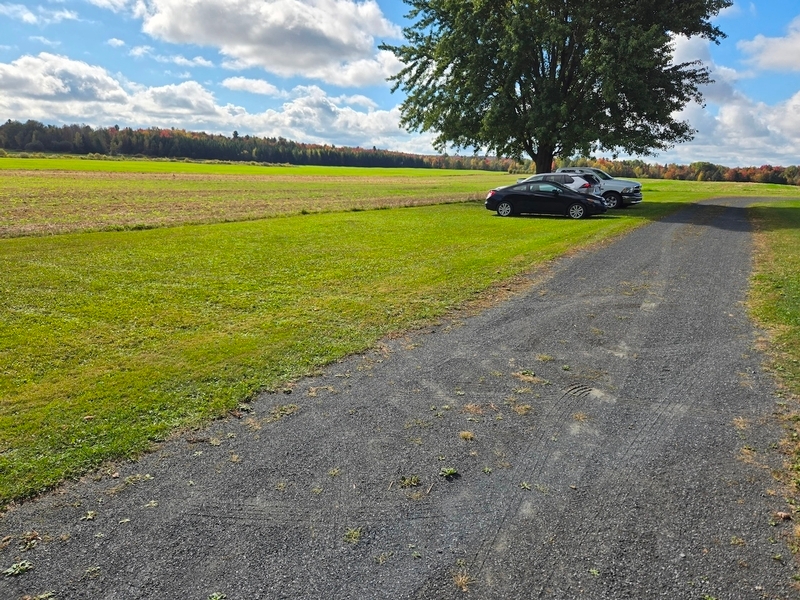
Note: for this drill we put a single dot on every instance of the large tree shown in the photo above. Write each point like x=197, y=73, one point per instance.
x=552, y=78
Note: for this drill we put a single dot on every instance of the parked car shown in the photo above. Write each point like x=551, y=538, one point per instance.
x=585, y=183
x=543, y=197
x=618, y=193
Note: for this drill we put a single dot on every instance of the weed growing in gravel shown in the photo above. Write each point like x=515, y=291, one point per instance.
x=740, y=423
x=448, y=472
x=410, y=481
x=353, y=535
x=527, y=376
x=282, y=410
x=462, y=580
x=217, y=596
x=467, y=436
x=18, y=568
x=29, y=540
x=91, y=572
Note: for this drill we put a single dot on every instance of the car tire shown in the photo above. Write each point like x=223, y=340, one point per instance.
x=576, y=211
x=505, y=209
x=613, y=200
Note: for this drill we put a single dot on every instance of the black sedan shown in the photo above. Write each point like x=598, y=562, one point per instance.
x=543, y=197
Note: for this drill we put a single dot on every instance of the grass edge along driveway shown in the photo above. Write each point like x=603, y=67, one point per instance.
x=774, y=302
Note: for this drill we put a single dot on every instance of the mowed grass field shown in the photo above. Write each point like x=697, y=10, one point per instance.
x=54, y=196
x=124, y=320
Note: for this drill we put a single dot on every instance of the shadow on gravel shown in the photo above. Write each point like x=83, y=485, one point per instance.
x=707, y=212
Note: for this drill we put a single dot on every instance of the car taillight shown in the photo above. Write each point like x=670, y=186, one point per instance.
x=490, y=194
x=585, y=186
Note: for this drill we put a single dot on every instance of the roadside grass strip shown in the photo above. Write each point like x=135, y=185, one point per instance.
x=775, y=303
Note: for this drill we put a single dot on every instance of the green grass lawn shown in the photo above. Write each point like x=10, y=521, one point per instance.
x=113, y=339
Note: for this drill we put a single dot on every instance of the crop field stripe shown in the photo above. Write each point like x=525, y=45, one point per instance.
x=212, y=168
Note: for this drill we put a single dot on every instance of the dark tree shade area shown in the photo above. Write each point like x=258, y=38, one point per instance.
x=33, y=136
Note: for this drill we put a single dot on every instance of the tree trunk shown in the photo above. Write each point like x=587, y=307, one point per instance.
x=544, y=160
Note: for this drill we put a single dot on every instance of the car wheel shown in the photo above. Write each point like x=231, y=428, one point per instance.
x=504, y=209
x=613, y=200
x=576, y=211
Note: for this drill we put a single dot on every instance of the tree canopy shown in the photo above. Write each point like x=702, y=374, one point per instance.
x=552, y=78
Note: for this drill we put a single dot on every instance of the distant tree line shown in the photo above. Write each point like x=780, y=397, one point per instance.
x=154, y=142
x=34, y=137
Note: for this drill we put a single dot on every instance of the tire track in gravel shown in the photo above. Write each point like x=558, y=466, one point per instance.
x=558, y=416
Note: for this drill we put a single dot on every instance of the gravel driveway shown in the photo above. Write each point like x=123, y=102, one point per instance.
x=609, y=432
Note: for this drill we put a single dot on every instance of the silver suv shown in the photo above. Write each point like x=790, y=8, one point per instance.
x=616, y=192
x=583, y=183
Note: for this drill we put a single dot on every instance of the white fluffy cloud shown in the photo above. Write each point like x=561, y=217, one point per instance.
x=50, y=77
x=732, y=129
x=49, y=86
x=329, y=40
x=253, y=86
x=775, y=53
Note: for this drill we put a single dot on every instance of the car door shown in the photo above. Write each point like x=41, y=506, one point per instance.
x=547, y=197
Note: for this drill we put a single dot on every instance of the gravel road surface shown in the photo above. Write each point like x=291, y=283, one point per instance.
x=609, y=432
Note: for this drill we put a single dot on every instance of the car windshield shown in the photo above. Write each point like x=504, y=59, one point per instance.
x=602, y=174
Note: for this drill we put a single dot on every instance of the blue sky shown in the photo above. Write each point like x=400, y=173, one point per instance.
x=310, y=71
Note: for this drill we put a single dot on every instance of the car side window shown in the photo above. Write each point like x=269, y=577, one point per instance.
x=549, y=187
